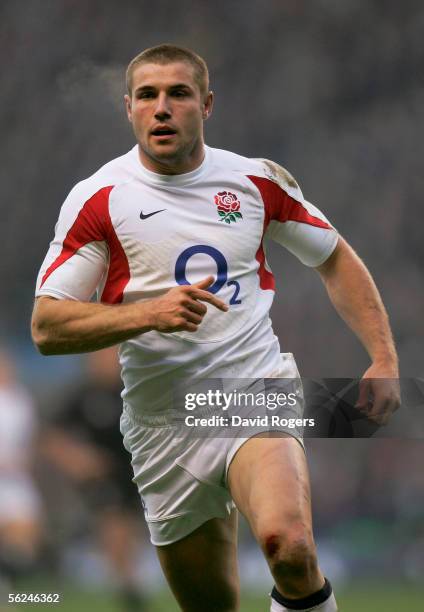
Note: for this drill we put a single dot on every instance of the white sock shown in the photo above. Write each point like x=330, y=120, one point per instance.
x=313, y=602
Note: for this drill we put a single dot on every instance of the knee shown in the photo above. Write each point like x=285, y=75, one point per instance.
x=289, y=551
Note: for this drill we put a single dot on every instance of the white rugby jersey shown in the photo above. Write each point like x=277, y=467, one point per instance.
x=130, y=235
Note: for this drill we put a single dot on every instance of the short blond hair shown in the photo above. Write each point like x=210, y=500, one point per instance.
x=167, y=54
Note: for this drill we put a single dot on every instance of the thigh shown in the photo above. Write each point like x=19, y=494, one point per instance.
x=201, y=568
x=269, y=482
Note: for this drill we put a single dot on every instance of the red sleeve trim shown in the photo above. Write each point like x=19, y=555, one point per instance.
x=93, y=223
x=278, y=206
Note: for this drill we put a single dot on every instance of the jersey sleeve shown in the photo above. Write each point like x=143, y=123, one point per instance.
x=77, y=261
x=291, y=220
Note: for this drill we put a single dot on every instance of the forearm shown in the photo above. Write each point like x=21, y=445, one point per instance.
x=357, y=300
x=67, y=326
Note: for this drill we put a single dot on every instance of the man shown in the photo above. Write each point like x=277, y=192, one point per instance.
x=21, y=507
x=131, y=232
x=81, y=439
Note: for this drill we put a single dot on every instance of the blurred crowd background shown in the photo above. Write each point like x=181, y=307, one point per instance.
x=331, y=89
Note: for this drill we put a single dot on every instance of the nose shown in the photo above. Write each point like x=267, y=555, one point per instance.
x=163, y=109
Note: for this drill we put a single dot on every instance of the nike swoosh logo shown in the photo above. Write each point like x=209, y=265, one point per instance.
x=142, y=216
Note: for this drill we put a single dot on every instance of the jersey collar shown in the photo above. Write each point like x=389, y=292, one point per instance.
x=171, y=179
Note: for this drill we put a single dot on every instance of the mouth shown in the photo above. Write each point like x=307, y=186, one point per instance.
x=162, y=133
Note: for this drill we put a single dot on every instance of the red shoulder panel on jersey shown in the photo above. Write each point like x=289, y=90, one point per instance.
x=92, y=224
x=278, y=206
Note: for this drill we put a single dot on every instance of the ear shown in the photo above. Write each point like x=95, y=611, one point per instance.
x=128, y=107
x=208, y=105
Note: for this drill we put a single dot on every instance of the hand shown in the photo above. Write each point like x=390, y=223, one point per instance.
x=182, y=308
x=379, y=393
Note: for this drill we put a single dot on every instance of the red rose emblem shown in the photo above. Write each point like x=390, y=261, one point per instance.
x=228, y=206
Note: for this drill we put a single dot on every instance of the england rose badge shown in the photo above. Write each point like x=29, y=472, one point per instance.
x=228, y=206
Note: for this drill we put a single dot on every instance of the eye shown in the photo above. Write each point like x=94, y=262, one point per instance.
x=180, y=93
x=145, y=95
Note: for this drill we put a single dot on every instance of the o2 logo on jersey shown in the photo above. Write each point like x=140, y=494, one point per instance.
x=221, y=267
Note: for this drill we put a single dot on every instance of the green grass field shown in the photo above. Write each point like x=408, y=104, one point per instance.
x=362, y=598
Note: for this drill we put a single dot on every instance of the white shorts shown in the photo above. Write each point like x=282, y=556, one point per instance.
x=182, y=480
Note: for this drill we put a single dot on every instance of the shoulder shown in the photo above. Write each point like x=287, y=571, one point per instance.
x=120, y=170
x=229, y=161
x=264, y=170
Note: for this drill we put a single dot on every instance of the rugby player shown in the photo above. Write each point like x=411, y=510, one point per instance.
x=171, y=237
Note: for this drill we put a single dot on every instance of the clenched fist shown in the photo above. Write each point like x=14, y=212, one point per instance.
x=182, y=308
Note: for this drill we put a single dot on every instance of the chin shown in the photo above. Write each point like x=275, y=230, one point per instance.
x=167, y=155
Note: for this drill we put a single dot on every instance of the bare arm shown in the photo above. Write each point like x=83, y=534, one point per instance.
x=356, y=298
x=67, y=326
